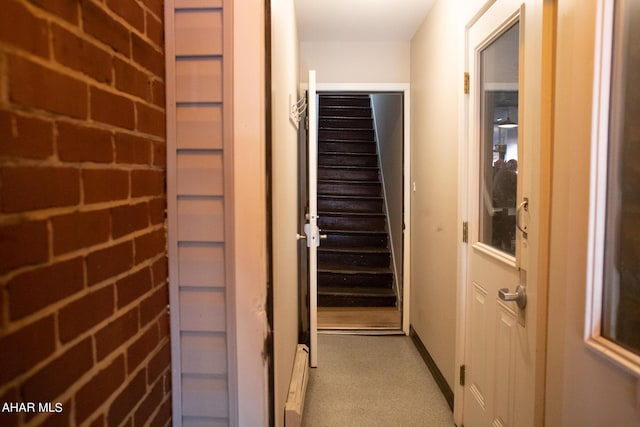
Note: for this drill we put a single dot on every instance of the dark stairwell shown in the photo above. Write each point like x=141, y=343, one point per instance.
x=354, y=261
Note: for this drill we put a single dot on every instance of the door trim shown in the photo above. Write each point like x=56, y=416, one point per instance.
x=405, y=89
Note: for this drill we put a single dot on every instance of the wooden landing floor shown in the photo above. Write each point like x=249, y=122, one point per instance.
x=371, y=318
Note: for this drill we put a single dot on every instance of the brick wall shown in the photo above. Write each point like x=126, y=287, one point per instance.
x=83, y=268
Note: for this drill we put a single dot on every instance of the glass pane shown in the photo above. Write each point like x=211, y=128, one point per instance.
x=499, y=141
x=621, y=310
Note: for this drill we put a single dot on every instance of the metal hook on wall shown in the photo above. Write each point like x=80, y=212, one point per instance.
x=296, y=109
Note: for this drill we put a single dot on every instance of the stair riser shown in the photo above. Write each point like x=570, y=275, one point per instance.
x=345, y=112
x=351, y=122
x=346, y=260
x=351, y=223
x=358, y=280
x=348, y=189
x=341, y=205
x=347, y=147
x=355, y=240
x=333, y=101
x=348, y=174
x=355, y=301
x=346, y=134
x=344, y=160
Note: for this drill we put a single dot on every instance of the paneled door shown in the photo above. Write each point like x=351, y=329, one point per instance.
x=500, y=343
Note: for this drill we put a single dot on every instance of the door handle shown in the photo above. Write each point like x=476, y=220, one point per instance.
x=524, y=205
x=519, y=296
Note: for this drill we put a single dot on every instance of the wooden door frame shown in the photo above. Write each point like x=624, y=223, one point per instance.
x=405, y=89
x=547, y=15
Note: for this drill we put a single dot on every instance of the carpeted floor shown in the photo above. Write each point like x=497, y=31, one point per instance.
x=372, y=381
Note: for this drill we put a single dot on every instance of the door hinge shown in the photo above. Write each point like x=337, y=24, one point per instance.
x=466, y=82
x=465, y=232
x=462, y=374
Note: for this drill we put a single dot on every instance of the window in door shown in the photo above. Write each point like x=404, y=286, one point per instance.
x=615, y=240
x=499, y=141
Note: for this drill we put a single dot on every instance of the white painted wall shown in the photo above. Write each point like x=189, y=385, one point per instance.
x=284, y=68
x=356, y=62
x=582, y=388
x=249, y=200
x=388, y=113
x=436, y=79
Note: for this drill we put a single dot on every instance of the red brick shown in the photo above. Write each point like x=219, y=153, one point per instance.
x=157, y=210
x=132, y=80
x=112, y=109
x=105, y=185
x=151, y=120
x=108, y=262
x=127, y=400
x=153, y=305
x=133, y=286
x=132, y=149
x=9, y=419
x=155, y=6
x=24, y=348
x=151, y=401
x=160, y=154
x=84, y=313
x=78, y=143
x=129, y=218
x=25, y=137
x=159, y=363
x=116, y=333
x=65, y=9
x=164, y=326
x=160, y=271
x=130, y=11
x=56, y=377
x=98, y=422
x=22, y=29
x=14, y=253
x=105, y=28
x=37, y=289
x=147, y=183
x=81, y=55
x=35, y=86
x=150, y=245
x=155, y=30
x=99, y=389
x=147, y=55
x=163, y=416
x=57, y=419
x=80, y=229
x=28, y=188
x=159, y=93
x=141, y=348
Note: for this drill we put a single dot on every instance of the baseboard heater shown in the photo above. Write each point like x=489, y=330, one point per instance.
x=297, y=388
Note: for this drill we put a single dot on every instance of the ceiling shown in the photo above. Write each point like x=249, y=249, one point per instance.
x=360, y=20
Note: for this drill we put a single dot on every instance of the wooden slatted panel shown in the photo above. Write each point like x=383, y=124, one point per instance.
x=198, y=201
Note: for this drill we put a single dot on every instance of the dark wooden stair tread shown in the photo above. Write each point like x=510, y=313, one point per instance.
x=357, y=291
x=362, y=249
x=353, y=269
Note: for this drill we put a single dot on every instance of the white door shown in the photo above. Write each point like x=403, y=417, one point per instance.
x=500, y=342
x=311, y=228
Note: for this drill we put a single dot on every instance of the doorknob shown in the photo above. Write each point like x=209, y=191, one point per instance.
x=519, y=296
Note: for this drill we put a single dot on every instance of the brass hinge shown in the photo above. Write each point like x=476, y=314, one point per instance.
x=466, y=82
x=465, y=232
x=462, y=374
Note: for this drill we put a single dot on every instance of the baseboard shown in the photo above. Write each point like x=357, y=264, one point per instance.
x=433, y=368
x=297, y=388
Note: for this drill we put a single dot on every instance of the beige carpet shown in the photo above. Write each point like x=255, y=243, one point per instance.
x=372, y=381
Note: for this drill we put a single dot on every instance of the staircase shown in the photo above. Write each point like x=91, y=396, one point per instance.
x=354, y=260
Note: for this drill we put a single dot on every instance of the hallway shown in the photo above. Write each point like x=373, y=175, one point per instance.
x=372, y=381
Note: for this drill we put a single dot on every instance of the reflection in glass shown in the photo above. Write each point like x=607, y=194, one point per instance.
x=499, y=141
x=621, y=306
